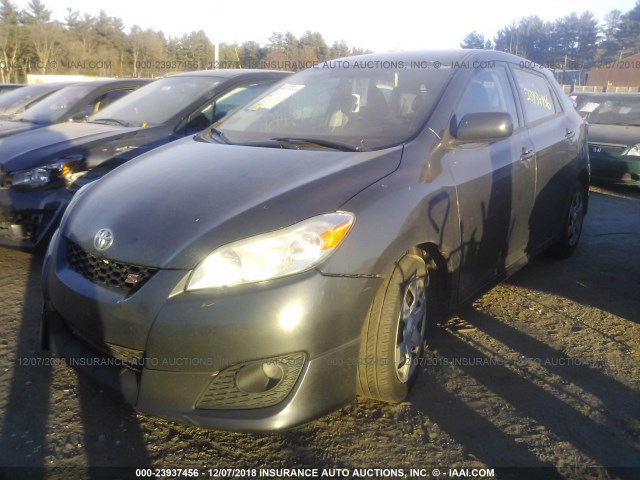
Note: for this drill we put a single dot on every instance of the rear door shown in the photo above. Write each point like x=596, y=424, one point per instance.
x=555, y=143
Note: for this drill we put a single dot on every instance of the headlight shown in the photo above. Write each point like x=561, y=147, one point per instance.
x=44, y=174
x=634, y=151
x=272, y=255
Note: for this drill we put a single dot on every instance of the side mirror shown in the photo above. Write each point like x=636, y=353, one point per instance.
x=484, y=127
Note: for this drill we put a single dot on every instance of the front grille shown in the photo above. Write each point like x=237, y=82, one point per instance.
x=110, y=273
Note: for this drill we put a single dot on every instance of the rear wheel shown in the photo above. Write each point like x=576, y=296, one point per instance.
x=393, y=335
x=572, y=227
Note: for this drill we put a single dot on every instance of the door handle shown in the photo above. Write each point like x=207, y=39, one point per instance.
x=527, y=154
x=569, y=133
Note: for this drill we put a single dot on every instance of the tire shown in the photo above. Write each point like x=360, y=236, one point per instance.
x=392, y=340
x=573, y=222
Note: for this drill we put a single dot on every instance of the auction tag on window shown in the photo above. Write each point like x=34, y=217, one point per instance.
x=276, y=97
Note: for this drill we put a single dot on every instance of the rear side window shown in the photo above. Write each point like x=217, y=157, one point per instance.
x=488, y=91
x=536, y=94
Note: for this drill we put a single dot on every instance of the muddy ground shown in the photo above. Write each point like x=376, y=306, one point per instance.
x=542, y=371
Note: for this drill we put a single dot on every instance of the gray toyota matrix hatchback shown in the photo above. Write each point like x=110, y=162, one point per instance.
x=293, y=255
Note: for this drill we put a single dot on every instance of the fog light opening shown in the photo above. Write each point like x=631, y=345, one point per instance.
x=259, y=377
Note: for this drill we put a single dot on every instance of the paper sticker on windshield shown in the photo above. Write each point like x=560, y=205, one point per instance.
x=589, y=107
x=276, y=97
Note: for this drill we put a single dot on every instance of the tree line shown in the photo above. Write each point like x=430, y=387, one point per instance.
x=31, y=42
x=573, y=42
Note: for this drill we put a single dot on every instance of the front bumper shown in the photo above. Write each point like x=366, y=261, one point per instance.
x=181, y=355
x=28, y=217
x=610, y=166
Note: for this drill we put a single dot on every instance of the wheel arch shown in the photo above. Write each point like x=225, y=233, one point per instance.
x=583, y=178
x=440, y=280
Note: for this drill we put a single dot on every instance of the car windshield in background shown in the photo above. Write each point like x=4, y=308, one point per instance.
x=56, y=105
x=612, y=111
x=344, y=109
x=157, y=102
x=16, y=100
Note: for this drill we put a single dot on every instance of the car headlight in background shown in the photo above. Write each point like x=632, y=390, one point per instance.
x=45, y=174
x=272, y=255
x=634, y=151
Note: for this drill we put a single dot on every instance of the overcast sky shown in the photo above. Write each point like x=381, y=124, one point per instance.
x=381, y=27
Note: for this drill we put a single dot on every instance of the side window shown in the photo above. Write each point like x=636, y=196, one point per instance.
x=215, y=110
x=202, y=118
x=488, y=91
x=102, y=101
x=536, y=94
x=110, y=97
x=237, y=97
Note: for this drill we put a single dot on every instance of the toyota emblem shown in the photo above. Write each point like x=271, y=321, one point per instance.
x=103, y=239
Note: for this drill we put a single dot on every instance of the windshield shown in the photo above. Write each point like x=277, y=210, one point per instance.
x=612, y=110
x=56, y=105
x=16, y=100
x=361, y=108
x=159, y=101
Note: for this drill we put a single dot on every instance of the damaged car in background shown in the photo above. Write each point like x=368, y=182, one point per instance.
x=41, y=170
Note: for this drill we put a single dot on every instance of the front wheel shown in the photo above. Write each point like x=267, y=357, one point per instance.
x=572, y=226
x=392, y=340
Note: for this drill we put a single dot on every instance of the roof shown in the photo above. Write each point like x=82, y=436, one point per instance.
x=114, y=82
x=445, y=57
x=609, y=95
x=227, y=72
x=50, y=85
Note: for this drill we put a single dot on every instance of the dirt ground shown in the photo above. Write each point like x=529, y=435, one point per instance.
x=543, y=371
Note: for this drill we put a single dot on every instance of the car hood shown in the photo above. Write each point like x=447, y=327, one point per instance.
x=172, y=207
x=32, y=148
x=8, y=127
x=614, y=134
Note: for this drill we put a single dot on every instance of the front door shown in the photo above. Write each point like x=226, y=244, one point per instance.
x=495, y=184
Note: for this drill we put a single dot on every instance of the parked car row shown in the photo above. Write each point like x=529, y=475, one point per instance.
x=294, y=244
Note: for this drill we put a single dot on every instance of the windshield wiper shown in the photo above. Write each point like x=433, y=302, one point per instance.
x=223, y=138
x=220, y=137
x=111, y=121
x=287, y=142
x=345, y=147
